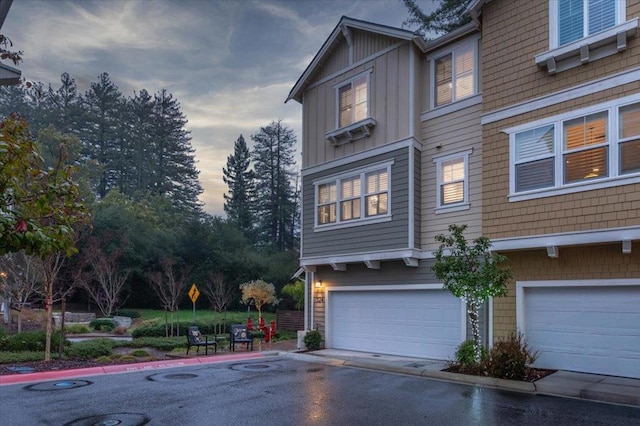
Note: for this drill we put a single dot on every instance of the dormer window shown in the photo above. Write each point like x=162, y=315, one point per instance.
x=352, y=98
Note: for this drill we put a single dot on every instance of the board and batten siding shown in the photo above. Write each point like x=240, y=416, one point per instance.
x=388, y=105
x=454, y=132
x=367, y=237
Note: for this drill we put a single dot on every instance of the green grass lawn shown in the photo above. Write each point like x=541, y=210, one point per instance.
x=206, y=315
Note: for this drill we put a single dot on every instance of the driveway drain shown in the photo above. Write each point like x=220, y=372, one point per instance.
x=123, y=419
x=63, y=385
x=162, y=377
x=255, y=367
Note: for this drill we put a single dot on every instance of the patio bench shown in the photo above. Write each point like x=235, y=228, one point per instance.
x=195, y=338
x=238, y=333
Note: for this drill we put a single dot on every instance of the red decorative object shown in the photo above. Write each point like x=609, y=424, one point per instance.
x=21, y=226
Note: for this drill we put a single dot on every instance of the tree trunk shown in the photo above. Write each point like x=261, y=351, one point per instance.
x=61, y=344
x=49, y=328
x=473, y=308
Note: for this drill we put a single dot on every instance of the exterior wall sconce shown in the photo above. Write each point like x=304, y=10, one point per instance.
x=319, y=296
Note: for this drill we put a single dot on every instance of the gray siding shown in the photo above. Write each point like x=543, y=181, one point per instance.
x=374, y=237
x=417, y=207
x=390, y=273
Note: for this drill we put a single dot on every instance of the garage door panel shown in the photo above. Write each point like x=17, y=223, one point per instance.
x=593, y=329
x=422, y=323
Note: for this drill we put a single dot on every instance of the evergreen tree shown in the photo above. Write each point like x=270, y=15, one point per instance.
x=239, y=179
x=140, y=109
x=450, y=15
x=174, y=173
x=103, y=104
x=65, y=106
x=275, y=196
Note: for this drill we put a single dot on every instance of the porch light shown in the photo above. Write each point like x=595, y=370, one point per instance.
x=319, y=284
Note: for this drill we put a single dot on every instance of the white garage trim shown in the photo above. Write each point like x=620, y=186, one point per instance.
x=329, y=290
x=521, y=285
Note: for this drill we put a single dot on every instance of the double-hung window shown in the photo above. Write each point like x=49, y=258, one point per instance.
x=597, y=148
x=578, y=19
x=353, y=101
x=353, y=197
x=452, y=176
x=454, y=74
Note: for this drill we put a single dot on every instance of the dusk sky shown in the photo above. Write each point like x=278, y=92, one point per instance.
x=230, y=64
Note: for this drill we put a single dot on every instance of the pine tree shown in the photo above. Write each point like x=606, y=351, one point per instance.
x=103, y=104
x=140, y=110
x=450, y=15
x=275, y=196
x=174, y=172
x=240, y=180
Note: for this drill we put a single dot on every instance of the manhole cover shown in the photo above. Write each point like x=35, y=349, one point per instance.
x=22, y=370
x=255, y=367
x=162, y=377
x=65, y=384
x=124, y=419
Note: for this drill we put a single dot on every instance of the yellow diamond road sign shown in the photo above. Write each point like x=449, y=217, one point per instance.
x=194, y=293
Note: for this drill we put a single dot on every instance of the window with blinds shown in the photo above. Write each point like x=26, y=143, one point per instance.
x=577, y=19
x=454, y=75
x=598, y=146
x=452, y=181
x=352, y=102
x=353, y=197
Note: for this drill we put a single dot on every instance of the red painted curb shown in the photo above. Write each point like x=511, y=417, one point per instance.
x=122, y=368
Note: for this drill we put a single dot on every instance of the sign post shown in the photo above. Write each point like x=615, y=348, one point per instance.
x=193, y=295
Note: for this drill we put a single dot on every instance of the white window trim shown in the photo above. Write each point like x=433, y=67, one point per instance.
x=464, y=204
x=364, y=220
x=336, y=89
x=444, y=52
x=560, y=188
x=620, y=14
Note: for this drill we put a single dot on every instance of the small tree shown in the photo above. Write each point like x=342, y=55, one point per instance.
x=260, y=293
x=471, y=272
x=169, y=285
x=296, y=292
x=220, y=294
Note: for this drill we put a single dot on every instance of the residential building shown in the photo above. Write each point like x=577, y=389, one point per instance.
x=561, y=176
x=525, y=126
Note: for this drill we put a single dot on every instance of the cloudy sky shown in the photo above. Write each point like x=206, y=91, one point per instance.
x=230, y=64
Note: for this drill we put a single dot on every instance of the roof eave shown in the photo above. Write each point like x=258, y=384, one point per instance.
x=9, y=76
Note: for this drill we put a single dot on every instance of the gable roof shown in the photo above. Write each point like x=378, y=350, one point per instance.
x=325, y=50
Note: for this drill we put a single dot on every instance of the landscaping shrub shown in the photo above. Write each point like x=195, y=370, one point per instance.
x=28, y=341
x=90, y=349
x=313, y=339
x=77, y=329
x=127, y=313
x=139, y=353
x=103, y=324
x=26, y=356
x=508, y=359
x=465, y=355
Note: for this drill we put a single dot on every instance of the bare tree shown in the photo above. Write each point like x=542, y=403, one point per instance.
x=50, y=267
x=220, y=294
x=169, y=285
x=103, y=280
x=22, y=278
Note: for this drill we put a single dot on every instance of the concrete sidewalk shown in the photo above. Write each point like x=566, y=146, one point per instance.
x=593, y=387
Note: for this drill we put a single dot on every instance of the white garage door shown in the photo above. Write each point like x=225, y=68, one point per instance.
x=588, y=329
x=418, y=323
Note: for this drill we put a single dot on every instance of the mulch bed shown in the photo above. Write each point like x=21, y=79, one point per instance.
x=531, y=375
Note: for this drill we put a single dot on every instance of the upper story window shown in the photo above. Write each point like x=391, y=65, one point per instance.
x=356, y=196
x=582, y=31
x=452, y=177
x=597, y=148
x=578, y=19
x=454, y=74
x=353, y=98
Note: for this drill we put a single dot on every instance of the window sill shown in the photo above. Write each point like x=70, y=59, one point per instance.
x=352, y=223
x=588, y=49
x=451, y=209
x=352, y=132
x=577, y=187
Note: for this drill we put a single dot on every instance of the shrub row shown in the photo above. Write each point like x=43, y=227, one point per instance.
x=90, y=349
x=507, y=359
x=28, y=341
x=103, y=324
